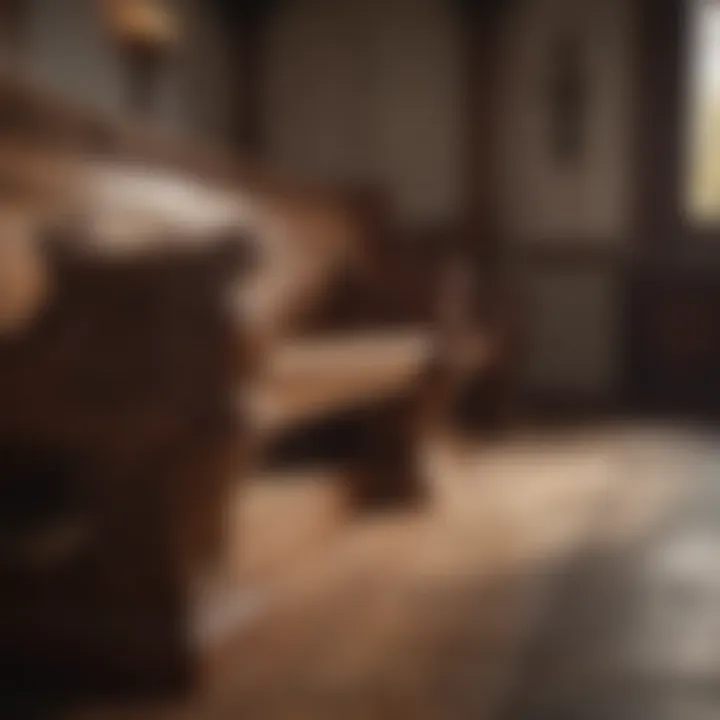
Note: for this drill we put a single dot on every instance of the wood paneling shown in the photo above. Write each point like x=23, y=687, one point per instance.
x=483, y=37
x=673, y=341
x=659, y=92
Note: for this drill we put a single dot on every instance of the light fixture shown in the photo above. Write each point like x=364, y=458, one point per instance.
x=146, y=32
x=142, y=23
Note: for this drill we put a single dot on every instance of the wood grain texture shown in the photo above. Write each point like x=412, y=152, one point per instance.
x=436, y=614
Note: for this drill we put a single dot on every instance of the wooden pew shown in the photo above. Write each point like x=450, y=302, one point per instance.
x=172, y=332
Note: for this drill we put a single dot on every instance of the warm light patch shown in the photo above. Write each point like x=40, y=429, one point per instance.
x=704, y=116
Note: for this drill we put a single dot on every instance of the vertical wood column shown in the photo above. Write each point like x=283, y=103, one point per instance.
x=250, y=21
x=249, y=101
x=487, y=398
x=660, y=86
x=12, y=25
x=660, y=236
x=483, y=21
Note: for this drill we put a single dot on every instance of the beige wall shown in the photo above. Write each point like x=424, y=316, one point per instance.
x=574, y=331
x=67, y=47
x=373, y=90
x=575, y=310
x=543, y=200
x=370, y=91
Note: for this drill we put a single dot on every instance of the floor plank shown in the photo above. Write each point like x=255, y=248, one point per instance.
x=514, y=596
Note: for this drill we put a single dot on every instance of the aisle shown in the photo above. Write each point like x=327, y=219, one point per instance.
x=634, y=631
x=431, y=616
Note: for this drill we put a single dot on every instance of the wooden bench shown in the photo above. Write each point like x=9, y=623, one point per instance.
x=169, y=337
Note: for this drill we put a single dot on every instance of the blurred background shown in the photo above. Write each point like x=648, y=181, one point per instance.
x=359, y=358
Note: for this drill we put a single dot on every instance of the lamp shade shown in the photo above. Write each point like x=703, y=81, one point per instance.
x=148, y=24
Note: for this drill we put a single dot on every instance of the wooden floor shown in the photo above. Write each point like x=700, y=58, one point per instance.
x=559, y=575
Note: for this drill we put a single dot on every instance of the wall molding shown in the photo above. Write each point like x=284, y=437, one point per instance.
x=580, y=254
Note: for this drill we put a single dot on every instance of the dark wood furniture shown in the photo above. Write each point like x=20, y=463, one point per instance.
x=672, y=298
x=139, y=393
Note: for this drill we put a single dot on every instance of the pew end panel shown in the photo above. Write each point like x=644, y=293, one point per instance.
x=118, y=445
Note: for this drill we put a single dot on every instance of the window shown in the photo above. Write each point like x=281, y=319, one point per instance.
x=704, y=118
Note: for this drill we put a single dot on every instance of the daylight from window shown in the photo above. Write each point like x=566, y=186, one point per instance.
x=704, y=120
